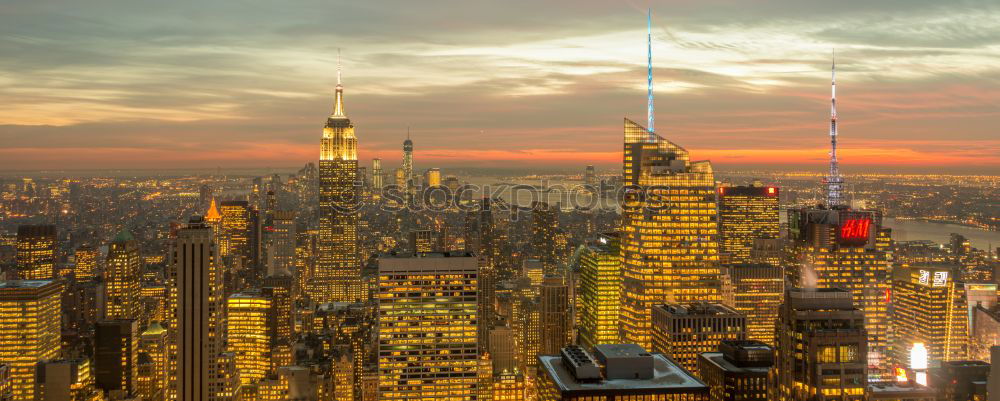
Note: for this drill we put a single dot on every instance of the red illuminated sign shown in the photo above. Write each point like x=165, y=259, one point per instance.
x=771, y=190
x=855, y=229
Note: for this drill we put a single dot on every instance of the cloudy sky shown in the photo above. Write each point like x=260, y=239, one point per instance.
x=248, y=83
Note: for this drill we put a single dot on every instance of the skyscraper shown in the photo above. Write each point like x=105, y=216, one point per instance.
x=214, y=219
x=116, y=352
x=746, y=214
x=378, y=176
x=544, y=224
x=433, y=177
x=234, y=241
x=281, y=247
x=36, y=252
x=669, y=230
x=427, y=326
x=248, y=337
x=30, y=328
x=848, y=249
x=408, y=162
x=153, y=344
x=556, y=321
x=757, y=293
x=600, y=291
x=86, y=262
x=123, y=278
x=929, y=307
x=738, y=371
x=337, y=275
x=199, y=312
x=681, y=332
x=821, y=347
x=670, y=239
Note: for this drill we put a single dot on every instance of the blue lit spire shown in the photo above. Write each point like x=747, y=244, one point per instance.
x=649, y=71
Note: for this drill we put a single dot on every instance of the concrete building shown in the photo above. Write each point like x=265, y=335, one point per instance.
x=615, y=372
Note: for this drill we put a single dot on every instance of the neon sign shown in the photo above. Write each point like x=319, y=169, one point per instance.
x=940, y=278
x=855, y=229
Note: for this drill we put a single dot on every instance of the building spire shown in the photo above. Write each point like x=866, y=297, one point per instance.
x=338, y=105
x=649, y=72
x=834, y=182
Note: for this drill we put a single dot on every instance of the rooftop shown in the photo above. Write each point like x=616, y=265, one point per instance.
x=667, y=378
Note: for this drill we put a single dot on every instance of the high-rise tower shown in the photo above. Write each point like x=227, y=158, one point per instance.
x=670, y=234
x=834, y=182
x=338, y=274
x=123, y=278
x=36, y=252
x=199, y=312
x=408, y=162
x=377, y=175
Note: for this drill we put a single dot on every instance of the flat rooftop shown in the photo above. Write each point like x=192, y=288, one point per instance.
x=667, y=378
x=718, y=359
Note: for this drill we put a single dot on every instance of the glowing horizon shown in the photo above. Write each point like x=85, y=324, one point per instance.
x=149, y=86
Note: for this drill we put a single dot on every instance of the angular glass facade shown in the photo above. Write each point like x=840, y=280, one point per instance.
x=670, y=234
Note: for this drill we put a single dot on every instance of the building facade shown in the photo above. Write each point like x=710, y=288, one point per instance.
x=36, y=252
x=427, y=337
x=682, y=332
x=30, y=328
x=337, y=275
x=746, y=213
x=670, y=232
x=600, y=291
x=821, y=347
x=758, y=290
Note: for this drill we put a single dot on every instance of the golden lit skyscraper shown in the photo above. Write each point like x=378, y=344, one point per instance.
x=670, y=238
x=234, y=238
x=247, y=335
x=30, y=326
x=86, y=262
x=433, y=177
x=338, y=271
x=36, y=252
x=153, y=344
x=757, y=291
x=600, y=291
x=746, y=214
x=427, y=327
x=849, y=249
x=929, y=307
x=682, y=332
x=214, y=219
x=122, y=285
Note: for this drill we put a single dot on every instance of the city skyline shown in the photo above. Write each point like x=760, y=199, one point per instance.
x=485, y=85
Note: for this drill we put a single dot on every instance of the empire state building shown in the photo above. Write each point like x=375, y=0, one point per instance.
x=337, y=274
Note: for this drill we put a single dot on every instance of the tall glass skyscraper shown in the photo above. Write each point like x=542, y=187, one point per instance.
x=338, y=273
x=670, y=234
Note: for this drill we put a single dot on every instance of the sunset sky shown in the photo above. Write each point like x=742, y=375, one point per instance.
x=249, y=83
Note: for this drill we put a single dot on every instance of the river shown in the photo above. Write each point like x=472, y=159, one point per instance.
x=911, y=230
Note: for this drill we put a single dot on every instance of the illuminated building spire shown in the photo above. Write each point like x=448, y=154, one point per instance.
x=213, y=215
x=338, y=106
x=834, y=182
x=649, y=71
